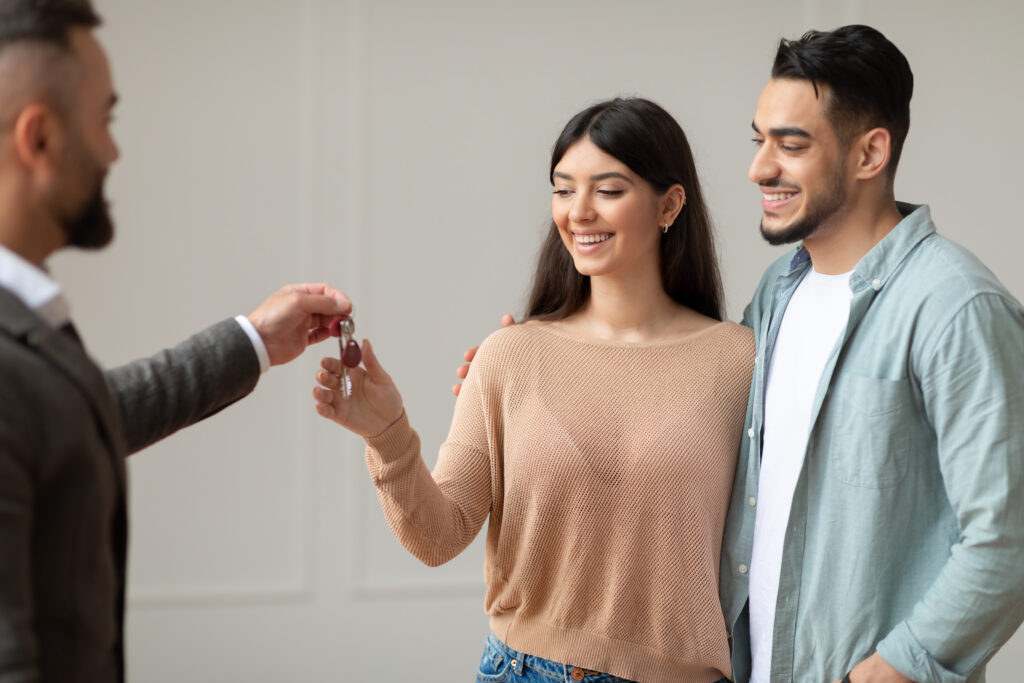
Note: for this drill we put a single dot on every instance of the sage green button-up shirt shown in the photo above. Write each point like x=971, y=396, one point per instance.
x=906, y=533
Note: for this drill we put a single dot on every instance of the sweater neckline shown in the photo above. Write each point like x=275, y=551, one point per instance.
x=547, y=327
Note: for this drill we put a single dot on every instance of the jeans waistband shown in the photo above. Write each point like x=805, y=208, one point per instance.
x=521, y=661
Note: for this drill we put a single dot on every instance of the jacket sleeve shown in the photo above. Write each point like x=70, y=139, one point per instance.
x=182, y=385
x=973, y=389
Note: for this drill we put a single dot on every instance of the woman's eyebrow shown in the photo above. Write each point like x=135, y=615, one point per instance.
x=599, y=176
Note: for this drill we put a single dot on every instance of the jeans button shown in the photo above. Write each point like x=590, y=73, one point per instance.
x=576, y=673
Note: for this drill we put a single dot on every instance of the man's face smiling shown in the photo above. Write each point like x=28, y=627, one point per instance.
x=799, y=164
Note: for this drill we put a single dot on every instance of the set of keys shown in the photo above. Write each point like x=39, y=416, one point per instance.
x=351, y=355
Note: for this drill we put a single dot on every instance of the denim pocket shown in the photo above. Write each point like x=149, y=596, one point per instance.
x=870, y=434
x=495, y=665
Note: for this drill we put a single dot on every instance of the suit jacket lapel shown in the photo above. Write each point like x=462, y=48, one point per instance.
x=70, y=358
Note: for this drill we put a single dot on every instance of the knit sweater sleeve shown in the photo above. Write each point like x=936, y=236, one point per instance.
x=436, y=515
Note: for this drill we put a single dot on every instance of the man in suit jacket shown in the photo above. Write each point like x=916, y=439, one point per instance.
x=66, y=426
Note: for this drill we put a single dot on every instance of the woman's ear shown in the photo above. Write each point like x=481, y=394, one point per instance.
x=672, y=202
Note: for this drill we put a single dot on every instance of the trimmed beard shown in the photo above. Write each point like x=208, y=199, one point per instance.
x=91, y=226
x=818, y=212
x=87, y=225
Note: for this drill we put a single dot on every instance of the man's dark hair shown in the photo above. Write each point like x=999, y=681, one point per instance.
x=46, y=21
x=41, y=30
x=868, y=77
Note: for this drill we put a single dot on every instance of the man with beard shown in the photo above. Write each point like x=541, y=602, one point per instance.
x=65, y=426
x=876, y=527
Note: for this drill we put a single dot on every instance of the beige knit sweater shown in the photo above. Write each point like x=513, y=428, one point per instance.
x=606, y=470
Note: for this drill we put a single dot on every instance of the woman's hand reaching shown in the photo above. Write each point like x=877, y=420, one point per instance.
x=374, y=404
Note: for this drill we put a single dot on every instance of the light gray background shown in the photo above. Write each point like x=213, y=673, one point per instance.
x=399, y=150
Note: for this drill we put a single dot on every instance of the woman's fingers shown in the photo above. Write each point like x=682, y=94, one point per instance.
x=325, y=410
x=325, y=399
x=327, y=396
x=374, y=402
x=331, y=364
x=374, y=370
x=328, y=379
x=330, y=376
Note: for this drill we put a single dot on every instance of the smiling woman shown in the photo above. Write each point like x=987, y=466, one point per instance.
x=600, y=437
x=627, y=162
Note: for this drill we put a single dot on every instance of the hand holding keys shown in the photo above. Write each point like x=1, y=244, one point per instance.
x=355, y=391
x=350, y=354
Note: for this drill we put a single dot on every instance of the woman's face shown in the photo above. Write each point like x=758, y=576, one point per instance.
x=608, y=217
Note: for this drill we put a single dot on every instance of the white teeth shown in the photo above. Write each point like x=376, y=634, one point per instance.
x=591, y=239
x=777, y=197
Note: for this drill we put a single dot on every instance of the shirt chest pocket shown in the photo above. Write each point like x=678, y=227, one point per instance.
x=869, y=428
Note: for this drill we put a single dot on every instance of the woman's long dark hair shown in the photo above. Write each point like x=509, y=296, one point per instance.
x=648, y=140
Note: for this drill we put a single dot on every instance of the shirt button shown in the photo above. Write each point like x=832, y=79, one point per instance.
x=743, y=569
x=752, y=501
x=576, y=673
x=876, y=283
x=750, y=432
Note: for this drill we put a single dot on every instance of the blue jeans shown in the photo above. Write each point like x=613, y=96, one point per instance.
x=501, y=663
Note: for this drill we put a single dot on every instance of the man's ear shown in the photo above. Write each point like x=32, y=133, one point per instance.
x=873, y=150
x=37, y=138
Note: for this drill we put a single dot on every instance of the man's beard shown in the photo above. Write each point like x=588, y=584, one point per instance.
x=91, y=226
x=87, y=224
x=817, y=212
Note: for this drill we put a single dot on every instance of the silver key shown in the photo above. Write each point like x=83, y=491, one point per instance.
x=347, y=327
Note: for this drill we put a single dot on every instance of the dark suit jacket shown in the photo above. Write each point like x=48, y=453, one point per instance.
x=65, y=429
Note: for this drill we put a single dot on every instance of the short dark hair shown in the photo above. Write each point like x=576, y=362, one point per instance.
x=868, y=77
x=46, y=21
x=646, y=138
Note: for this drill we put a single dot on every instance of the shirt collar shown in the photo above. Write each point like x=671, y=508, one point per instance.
x=878, y=265
x=34, y=286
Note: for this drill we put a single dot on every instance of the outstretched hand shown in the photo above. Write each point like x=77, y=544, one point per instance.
x=463, y=370
x=296, y=316
x=374, y=404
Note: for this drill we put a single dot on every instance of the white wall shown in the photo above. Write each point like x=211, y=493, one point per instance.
x=399, y=150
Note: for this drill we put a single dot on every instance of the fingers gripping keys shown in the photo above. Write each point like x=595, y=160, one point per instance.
x=350, y=354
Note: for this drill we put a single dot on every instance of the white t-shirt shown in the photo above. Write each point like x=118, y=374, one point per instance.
x=811, y=325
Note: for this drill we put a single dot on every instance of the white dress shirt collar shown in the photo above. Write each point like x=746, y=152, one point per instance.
x=34, y=286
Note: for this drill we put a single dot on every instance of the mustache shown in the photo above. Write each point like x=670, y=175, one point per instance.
x=776, y=183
